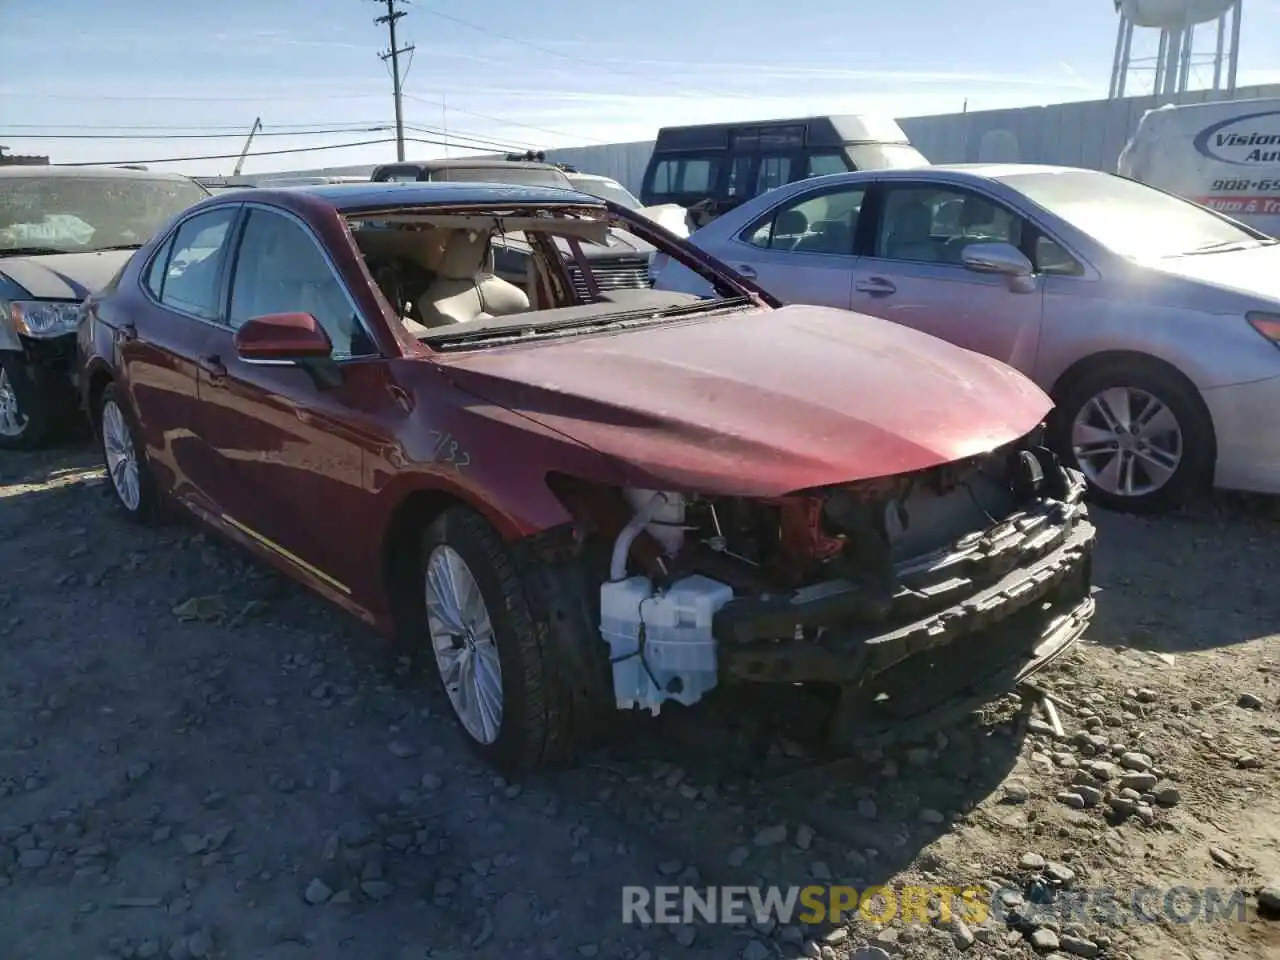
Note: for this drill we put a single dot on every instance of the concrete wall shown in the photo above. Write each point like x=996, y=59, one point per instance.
x=1090, y=133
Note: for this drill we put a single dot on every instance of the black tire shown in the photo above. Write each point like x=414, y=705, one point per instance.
x=536, y=728
x=35, y=403
x=147, y=509
x=1194, y=471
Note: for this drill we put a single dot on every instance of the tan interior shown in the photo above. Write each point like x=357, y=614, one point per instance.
x=464, y=287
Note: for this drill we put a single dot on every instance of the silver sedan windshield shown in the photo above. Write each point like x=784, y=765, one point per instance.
x=1128, y=217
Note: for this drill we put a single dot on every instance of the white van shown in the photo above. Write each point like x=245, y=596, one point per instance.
x=1225, y=155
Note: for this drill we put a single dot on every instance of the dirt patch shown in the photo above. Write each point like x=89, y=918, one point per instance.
x=198, y=759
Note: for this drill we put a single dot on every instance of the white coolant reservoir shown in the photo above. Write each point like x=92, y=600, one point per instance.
x=667, y=524
x=661, y=644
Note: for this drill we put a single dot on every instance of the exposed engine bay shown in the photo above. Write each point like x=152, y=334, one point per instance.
x=849, y=585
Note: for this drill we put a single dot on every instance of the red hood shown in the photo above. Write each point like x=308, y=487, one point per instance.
x=762, y=403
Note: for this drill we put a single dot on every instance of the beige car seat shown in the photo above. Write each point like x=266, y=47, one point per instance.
x=466, y=287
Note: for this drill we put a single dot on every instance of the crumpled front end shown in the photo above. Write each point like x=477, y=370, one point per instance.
x=909, y=594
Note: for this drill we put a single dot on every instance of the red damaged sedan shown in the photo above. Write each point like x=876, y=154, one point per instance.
x=433, y=406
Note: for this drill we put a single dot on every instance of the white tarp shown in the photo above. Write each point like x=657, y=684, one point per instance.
x=1225, y=155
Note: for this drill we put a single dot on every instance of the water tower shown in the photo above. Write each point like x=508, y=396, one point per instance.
x=1176, y=21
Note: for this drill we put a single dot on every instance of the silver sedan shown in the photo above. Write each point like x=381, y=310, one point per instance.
x=1153, y=322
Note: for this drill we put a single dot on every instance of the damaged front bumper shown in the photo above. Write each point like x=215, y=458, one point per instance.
x=966, y=621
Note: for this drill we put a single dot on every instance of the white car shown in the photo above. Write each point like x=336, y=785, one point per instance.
x=672, y=216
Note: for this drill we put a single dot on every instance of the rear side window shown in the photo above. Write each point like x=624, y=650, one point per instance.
x=191, y=275
x=155, y=272
x=684, y=175
x=773, y=172
x=820, y=164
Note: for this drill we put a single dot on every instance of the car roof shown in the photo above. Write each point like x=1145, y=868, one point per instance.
x=355, y=196
x=994, y=171
x=952, y=171
x=90, y=173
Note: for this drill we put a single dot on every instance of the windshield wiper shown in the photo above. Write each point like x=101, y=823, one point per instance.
x=524, y=332
x=1226, y=246
x=114, y=246
x=31, y=251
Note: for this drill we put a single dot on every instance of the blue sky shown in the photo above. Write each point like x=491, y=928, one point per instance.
x=585, y=72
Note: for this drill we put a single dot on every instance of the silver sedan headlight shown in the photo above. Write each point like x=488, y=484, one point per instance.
x=42, y=319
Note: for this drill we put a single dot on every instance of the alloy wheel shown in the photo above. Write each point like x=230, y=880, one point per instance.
x=1127, y=442
x=12, y=420
x=464, y=644
x=121, y=457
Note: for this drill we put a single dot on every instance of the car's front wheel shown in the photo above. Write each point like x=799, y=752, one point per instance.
x=486, y=647
x=1140, y=435
x=26, y=410
x=131, y=483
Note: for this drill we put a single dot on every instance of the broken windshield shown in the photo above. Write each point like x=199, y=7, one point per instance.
x=67, y=214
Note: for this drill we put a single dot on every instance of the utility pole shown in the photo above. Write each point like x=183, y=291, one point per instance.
x=393, y=54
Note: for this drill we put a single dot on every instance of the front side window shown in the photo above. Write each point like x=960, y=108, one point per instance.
x=191, y=271
x=825, y=223
x=685, y=175
x=279, y=269
x=934, y=224
x=80, y=214
x=1127, y=217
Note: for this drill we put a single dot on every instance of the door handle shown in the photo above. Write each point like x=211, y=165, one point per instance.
x=213, y=366
x=876, y=286
x=746, y=270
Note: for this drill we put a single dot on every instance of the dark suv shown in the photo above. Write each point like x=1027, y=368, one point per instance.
x=65, y=232
x=620, y=264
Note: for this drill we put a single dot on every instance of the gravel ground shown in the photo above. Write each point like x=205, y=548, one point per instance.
x=197, y=759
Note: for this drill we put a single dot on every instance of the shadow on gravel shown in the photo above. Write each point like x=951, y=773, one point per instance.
x=1196, y=580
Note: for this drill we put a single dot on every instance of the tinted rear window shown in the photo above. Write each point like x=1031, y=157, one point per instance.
x=515, y=175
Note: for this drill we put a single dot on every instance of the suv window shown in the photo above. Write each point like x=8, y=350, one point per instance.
x=774, y=172
x=279, y=269
x=685, y=175
x=191, y=272
x=820, y=164
x=815, y=223
x=934, y=224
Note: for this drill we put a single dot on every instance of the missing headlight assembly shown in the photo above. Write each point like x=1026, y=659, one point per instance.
x=905, y=593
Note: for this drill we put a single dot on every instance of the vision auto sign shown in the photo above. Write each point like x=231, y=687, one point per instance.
x=1240, y=141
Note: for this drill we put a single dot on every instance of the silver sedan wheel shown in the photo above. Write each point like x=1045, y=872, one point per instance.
x=1127, y=442
x=463, y=641
x=12, y=420
x=121, y=458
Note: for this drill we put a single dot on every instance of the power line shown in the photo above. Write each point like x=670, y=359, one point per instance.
x=199, y=136
x=257, y=153
x=375, y=128
x=505, y=120
x=270, y=98
x=684, y=89
x=393, y=54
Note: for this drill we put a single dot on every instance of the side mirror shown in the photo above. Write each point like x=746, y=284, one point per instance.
x=283, y=337
x=999, y=258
